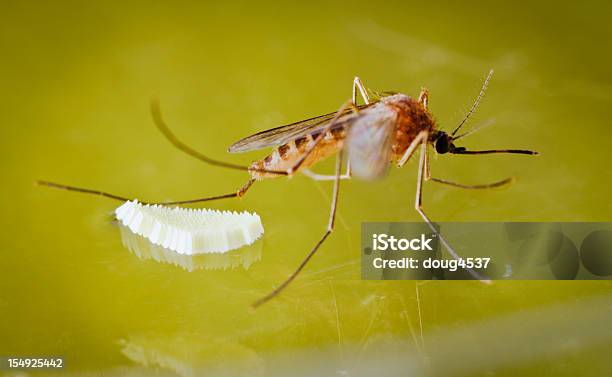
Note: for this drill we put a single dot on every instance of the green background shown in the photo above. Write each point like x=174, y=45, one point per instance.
x=75, y=82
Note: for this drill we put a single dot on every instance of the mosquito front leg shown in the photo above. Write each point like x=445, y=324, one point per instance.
x=424, y=97
x=500, y=183
x=428, y=177
x=420, y=138
x=330, y=228
x=419, y=207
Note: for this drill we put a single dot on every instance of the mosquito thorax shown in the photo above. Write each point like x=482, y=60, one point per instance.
x=412, y=118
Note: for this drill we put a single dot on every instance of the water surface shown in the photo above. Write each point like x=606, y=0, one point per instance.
x=76, y=81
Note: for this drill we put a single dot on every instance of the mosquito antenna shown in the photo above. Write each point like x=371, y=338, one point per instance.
x=475, y=105
x=479, y=127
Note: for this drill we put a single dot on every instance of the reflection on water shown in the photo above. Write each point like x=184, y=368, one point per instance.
x=189, y=355
x=77, y=85
x=146, y=250
x=498, y=344
x=493, y=345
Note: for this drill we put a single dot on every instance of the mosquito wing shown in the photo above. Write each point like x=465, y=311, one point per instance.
x=284, y=134
x=370, y=140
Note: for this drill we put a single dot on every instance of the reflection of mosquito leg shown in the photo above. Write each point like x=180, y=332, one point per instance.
x=330, y=228
x=418, y=206
x=165, y=130
x=236, y=194
x=357, y=84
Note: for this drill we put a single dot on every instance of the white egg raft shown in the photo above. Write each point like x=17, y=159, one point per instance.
x=190, y=231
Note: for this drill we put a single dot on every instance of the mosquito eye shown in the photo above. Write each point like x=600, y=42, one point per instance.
x=442, y=144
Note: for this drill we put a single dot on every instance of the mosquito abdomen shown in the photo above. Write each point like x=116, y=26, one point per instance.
x=286, y=156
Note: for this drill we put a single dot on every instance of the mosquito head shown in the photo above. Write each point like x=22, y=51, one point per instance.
x=443, y=142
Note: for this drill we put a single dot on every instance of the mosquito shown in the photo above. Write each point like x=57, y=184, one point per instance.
x=386, y=128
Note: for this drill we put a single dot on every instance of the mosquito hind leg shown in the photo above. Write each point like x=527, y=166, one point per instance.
x=165, y=130
x=358, y=85
x=324, y=177
x=419, y=207
x=328, y=177
x=237, y=194
x=60, y=186
x=330, y=228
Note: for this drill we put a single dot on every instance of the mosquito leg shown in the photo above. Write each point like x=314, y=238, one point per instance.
x=424, y=97
x=357, y=84
x=326, y=177
x=319, y=138
x=236, y=194
x=428, y=177
x=503, y=182
x=323, y=177
x=427, y=171
x=165, y=130
x=420, y=138
x=330, y=228
x=418, y=206
x=81, y=190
